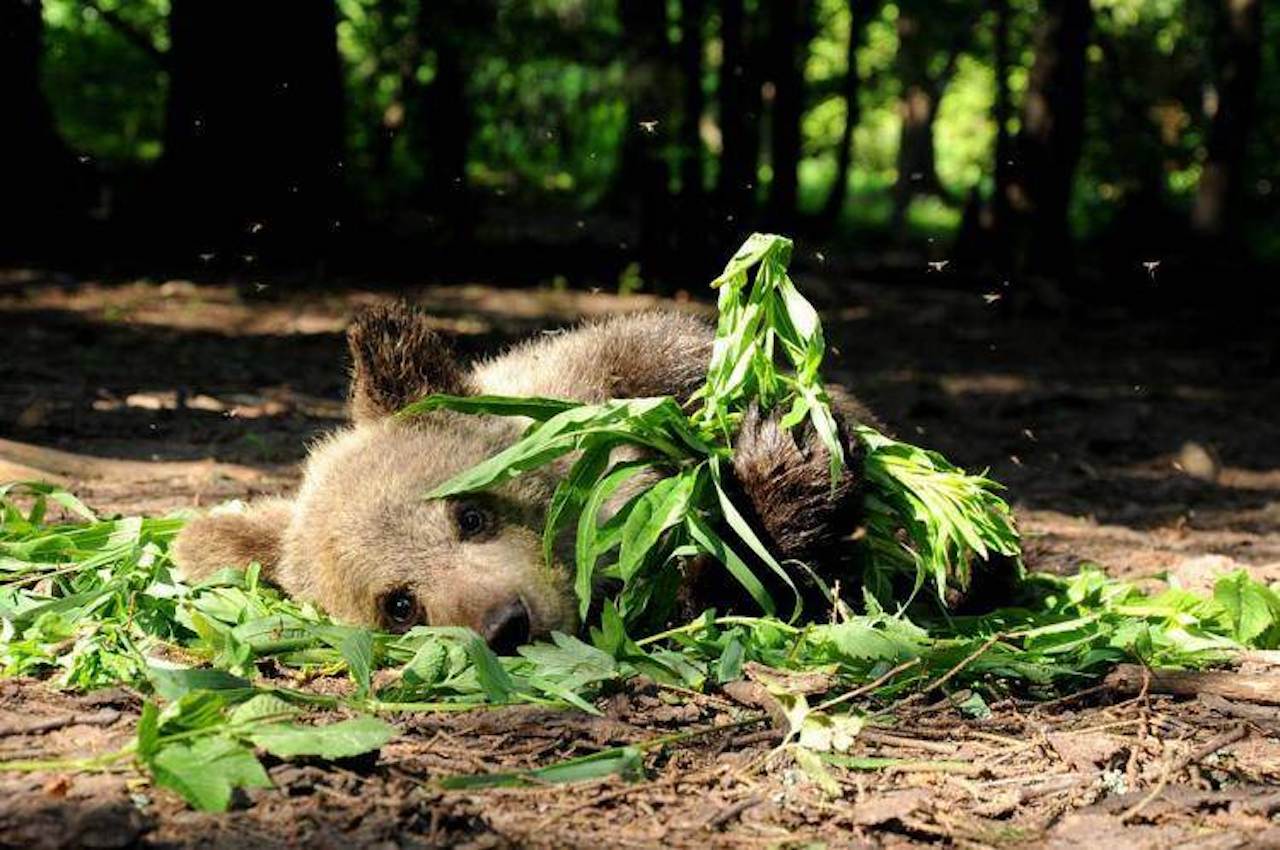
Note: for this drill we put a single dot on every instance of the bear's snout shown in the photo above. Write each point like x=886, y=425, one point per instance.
x=507, y=626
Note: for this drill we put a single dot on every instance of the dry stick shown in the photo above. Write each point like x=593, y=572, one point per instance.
x=876, y=737
x=1130, y=678
x=730, y=812
x=1041, y=706
x=38, y=577
x=1207, y=749
x=935, y=766
x=869, y=686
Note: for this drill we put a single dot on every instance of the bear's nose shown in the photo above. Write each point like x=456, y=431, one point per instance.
x=507, y=627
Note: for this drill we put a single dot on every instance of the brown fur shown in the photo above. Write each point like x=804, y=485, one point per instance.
x=359, y=528
x=787, y=482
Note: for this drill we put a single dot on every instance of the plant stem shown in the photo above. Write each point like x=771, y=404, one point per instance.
x=729, y=620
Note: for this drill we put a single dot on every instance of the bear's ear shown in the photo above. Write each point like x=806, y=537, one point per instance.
x=396, y=359
x=213, y=542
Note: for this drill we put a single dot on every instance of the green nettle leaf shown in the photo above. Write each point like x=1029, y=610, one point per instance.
x=729, y=665
x=428, y=665
x=207, y=771
x=174, y=683
x=1252, y=608
x=357, y=650
x=492, y=676
x=261, y=707
x=345, y=739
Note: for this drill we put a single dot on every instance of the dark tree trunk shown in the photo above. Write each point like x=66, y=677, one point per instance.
x=739, y=107
x=42, y=186
x=450, y=30
x=922, y=91
x=692, y=17
x=983, y=240
x=860, y=11
x=1002, y=111
x=644, y=175
x=253, y=141
x=789, y=34
x=1238, y=57
x=730, y=89
x=1049, y=144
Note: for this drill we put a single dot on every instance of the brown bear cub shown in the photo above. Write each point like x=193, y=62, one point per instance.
x=360, y=540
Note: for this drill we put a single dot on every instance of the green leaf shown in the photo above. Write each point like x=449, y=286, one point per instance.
x=711, y=543
x=148, y=735
x=357, y=651
x=340, y=740
x=572, y=492
x=1252, y=608
x=566, y=432
x=490, y=673
x=259, y=708
x=587, y=549
x=812, y=765
x=663, y=506
x=207, y=771
x=729, y=665
x=173, y=683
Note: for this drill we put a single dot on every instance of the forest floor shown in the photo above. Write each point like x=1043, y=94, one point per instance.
x=1146, y=444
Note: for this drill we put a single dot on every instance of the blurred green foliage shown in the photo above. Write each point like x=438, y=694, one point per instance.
x=108, y=95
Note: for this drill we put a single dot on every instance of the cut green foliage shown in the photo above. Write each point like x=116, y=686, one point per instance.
x=202, y=744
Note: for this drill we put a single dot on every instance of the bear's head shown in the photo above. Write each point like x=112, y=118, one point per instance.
x=362, y=540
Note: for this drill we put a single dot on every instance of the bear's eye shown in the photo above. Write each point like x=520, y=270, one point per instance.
x=400, y=609
x=472, y=520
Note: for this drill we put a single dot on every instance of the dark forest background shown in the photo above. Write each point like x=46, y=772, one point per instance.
x=633, y=143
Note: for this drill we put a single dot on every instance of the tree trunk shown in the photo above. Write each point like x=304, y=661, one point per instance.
x=1048, y=147
x=692, y=16
x=1001, y=112
x=740, y=107
x=450, y=30
x=918, y=108
x=1238, y=57
x=860, y=12
x=789, y=34
x=42, y=188
x=644, y=175
x=253, y=140
x=730, y=89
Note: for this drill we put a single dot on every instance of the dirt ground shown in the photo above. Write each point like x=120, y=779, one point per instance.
x=1149, y=444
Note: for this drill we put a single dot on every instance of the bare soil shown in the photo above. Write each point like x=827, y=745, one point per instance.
x=1148, y=444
